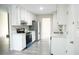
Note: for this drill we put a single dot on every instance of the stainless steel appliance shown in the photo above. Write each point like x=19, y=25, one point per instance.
x=20, y=30
x=28, y=39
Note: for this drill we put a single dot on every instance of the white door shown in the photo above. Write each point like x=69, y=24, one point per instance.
x=4, y=40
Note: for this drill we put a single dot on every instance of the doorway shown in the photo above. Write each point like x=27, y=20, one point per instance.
x=45, y=35
x=4, y=37
x=45, y=28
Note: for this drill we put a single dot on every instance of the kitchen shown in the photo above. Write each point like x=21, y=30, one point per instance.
x=22, y=28
x=38, y=30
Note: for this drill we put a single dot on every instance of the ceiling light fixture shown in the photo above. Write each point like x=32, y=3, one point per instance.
x=41, y=8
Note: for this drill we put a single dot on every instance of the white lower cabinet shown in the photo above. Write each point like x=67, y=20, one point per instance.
x=33, y=36
x=18, y=42
x=64, y=46
x=58, y=46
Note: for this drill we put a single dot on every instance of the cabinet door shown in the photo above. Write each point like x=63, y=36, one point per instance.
x=15, y=15
x=23, y=41
x=22, y=11
x=33, y=36
x=33, y=17
x=26, y=16
x=29, y=21
x=58, y=46
x=16, y=43
x=18, y=15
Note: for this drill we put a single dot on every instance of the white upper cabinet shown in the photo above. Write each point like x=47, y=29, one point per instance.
x=34, y=17
x=26, y=16
x=22, y=15
x=15, y=15
x=19, y=13
x=29, y=20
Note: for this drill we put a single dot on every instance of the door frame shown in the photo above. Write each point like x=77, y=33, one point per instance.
x=8, y=30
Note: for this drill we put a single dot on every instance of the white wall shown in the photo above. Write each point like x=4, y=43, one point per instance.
x=74, y=31
x=70, y=29
x=69, y=15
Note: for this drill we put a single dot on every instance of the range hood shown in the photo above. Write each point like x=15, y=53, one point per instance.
x=23, y=24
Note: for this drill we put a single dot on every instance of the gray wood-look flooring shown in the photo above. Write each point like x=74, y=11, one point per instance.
x=38, y=48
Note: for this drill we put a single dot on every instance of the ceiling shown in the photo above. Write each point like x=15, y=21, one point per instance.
x=35, y=8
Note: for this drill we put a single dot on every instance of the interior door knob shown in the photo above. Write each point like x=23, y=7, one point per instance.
x=50, y=37
x=7, y=36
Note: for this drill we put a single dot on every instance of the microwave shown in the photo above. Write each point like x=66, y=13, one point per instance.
x=20, y=30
